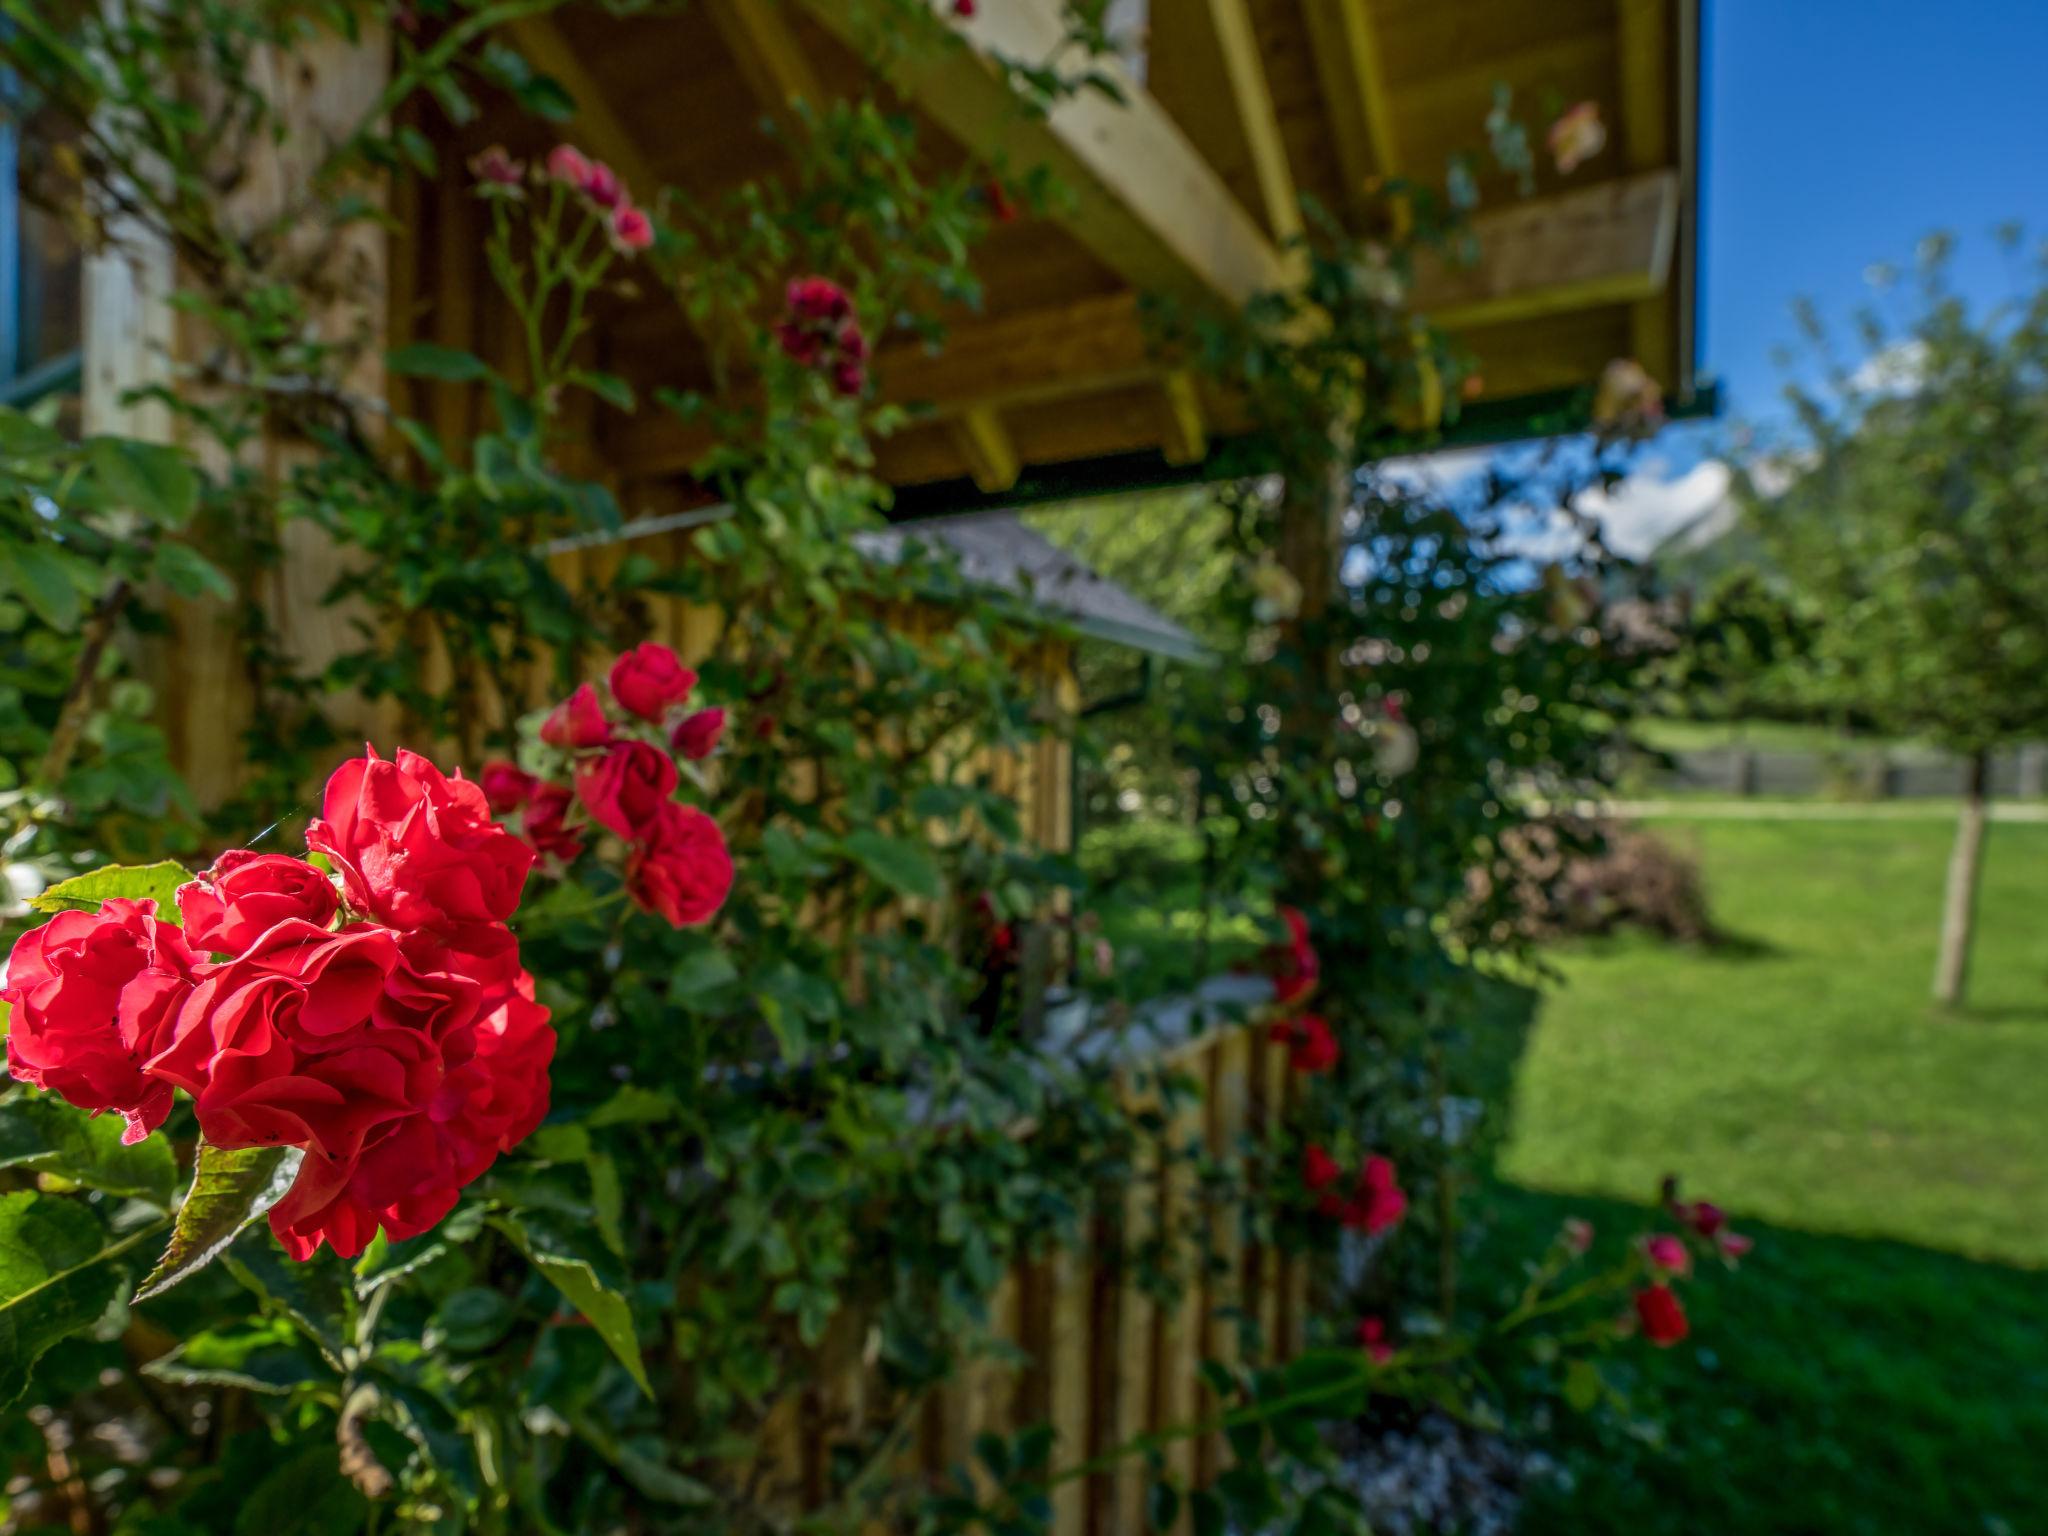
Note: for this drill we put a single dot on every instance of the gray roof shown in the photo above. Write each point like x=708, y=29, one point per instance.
x=996, y=549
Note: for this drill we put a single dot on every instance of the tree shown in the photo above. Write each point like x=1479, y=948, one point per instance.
x=1916, y=537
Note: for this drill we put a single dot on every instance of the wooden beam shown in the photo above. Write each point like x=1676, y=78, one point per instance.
x=1096, y=343
x=1204, y=66
x=1185, y=438
x=1141, y=197
x=1647, y=36
x=766, y=49
x=984, y=442
x=603, y=132
x=1355, y=93
x=1604, y=244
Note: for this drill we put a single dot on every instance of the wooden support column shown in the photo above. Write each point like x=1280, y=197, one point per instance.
x=1647, y=47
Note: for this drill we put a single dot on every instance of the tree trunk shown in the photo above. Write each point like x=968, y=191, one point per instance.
x=1959, y=911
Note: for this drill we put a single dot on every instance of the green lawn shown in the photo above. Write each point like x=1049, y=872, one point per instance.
x=1881, y=1365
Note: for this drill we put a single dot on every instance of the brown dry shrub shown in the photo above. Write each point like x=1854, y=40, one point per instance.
x=1569, y=875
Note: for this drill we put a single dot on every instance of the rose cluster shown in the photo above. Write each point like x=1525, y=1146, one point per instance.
x=615, y=770
x=1374, y=1202
x=1668, y=1257
x=820, y=330
x=601, y=189
x=377, y=1018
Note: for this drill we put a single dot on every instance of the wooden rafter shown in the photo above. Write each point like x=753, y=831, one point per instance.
x=1203, y=64
x=1185, y=438
x=1355, y=93
x=767, y=52
x=1604, y=244
x=984, y=443
x=603, y=132
x=1143, y=200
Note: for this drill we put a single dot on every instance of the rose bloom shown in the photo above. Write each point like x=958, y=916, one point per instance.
x=1295, y=965
x=1668, y=1254
x=506, y=786
x=1319, y=1170
x=1662, y=1317
x=1377, y=1202
x=546, y=824
x=246, y=894
x=415, y=848
x=1577, y=136
x=568, y=165
x=578, y=721
x=94, y=995
x=1372, y=1338
x=697, y=735
x=1311, y=1046
x=601, y=184
x=497, y=168
x=649, y=678
x=631, y=229
x=625, y=790
x=818, y=299
x=681, y=870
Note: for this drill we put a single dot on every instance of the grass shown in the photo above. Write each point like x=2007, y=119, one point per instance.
x=1881, y=1364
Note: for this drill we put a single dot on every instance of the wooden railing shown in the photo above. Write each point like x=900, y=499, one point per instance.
x=1107, y=1361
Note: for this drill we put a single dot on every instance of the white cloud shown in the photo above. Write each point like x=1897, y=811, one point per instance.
x=1896, y=370
x=1635, y=517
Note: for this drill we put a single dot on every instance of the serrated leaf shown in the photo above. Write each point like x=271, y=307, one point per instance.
x=897, y=862
x=147, y=478
x=135, y=882
x=583, y=1274
x=46, y=1135
x=190, y=574
x=260, y=1359
x=425, y=360
x=230, y=1189
x=58, y=1276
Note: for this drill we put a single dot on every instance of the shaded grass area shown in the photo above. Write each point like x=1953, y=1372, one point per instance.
x=1881, y=1363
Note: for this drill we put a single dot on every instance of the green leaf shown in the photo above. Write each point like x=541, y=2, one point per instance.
x=190, y=574
x=43, y=577
x=136, y=882
x=608, y=387
x=634, y=1105
x=270, y=1360
x=579, y=1271
x=700, y=972
x=898, y=863
x=46, y=1135
x=1583, y=1387
x=23, y=437
x=473, y=1319
x=229, y=1190
x=315, y=1295
x=56, y=1278
x=147, y=478
x=425, y=360
x=307, y=1496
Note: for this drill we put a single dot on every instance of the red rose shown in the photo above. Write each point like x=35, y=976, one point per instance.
x=626, y=788
x=682, y=870
x=93, y=996
x=1295, y=966
x=1663, y=1319
x=1372, y=1338
x=1319, y=1170
x=567, y=165
x=1667, y=1254
x=546, y=824
x=649, y=678
x=415, y=848
x=631, y=229
x=245, y=895
x=818, y=300
x=1377, y=1202
x=1311, y=1047
x=506, y=786
x=1704, y=1217
x=849, y=378
x=411, y=1171
x=578, y=721
x=601, y=184
x=696, y=735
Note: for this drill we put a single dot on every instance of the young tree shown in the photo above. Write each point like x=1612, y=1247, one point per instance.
x=1917, y=539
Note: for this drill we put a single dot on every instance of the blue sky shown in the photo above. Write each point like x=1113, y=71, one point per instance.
x=1836, y=134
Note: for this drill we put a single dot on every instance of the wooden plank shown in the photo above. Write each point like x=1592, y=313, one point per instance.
x=767, y=52
x=1069, y=1302
x=1142, y=199
x=1349, y=63
x=1203, y=64
x=1177, y=1352
x=1186, y=436
x=1647, y=33
x=985, y=444
x=1129, y=1388
x=1229, y=1108
x=1604, y=244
